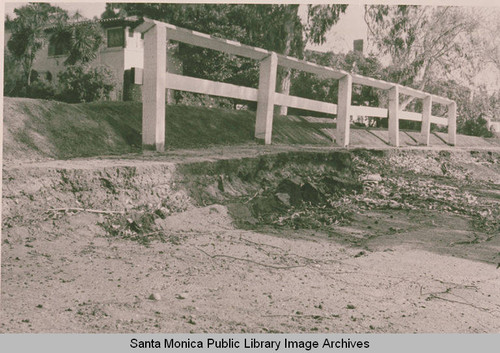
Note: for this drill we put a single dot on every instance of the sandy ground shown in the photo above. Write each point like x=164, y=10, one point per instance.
x=388, y=271
x=65, y=275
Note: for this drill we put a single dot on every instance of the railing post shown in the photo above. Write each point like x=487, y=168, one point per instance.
x=265, y=98
x=344, y=111
x=452, y=123
x=394, y=116
x=153, y=92
x=425, y=131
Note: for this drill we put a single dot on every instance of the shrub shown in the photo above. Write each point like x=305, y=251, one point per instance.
x=41, y=86
x=79, y=83
x=476, y=127
x=41, y=89
x=13, y=82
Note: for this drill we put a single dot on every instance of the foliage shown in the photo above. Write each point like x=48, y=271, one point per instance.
x=425, y=43
x=242, y=22
x=273, y=27
x=488, y=35
x=135, y=226
x=473, y=106
x=13, y=84
x=34, y=26
x=311, y=86
x=474, y=110
x=82, y=40
x=220, y=20
x=29, y=34
x=320, y=19
x=286, y=34
x=42, y=87
x=476, y=127
x=79, y=83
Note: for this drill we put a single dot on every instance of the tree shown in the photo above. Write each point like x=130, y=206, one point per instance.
x=81, y=82
x=219, y=20
x=29, y=33
x=311, y=86
x=488, y=32
x=274, y=27
x=473, y=105
x=286, y=34
x=13, y=76
x=82, y=41
x=425, y=43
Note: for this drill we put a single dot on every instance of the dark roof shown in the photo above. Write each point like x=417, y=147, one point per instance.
x=132, y=21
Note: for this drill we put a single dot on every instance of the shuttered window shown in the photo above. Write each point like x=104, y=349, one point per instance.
x=116, y=37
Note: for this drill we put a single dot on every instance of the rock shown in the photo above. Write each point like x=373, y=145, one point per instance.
x=283, y=197
x=310, y=193
x=241, y=213
x=335, y=184
x=155, y=297
x=291, y=188
x=220, y=183
x=371, y=178
x=265, y=205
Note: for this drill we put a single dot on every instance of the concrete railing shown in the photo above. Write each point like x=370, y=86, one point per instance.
x=156, y=80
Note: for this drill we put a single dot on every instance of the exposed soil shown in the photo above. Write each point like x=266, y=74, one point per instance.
x=319, y=241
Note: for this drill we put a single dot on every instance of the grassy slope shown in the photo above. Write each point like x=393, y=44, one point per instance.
x=38, y=129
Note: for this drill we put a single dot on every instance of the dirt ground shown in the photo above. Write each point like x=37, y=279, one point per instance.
x=388, y=270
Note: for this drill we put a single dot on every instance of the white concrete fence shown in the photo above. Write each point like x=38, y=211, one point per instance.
x=156, y=80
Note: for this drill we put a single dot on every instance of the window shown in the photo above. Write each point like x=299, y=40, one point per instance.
x=58, y=46
x=116, y=37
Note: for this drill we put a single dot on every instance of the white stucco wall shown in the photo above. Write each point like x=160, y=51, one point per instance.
x=134, y=50
x=133, y=58
x=113, y=59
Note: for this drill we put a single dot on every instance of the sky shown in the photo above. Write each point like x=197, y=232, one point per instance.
x=88, y=10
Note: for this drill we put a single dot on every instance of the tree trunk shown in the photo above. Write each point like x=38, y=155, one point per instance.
x=287, y=77
x=29, y=77
x=28, y=66
x=404, y=104
x=285, y=89
x=422, y=78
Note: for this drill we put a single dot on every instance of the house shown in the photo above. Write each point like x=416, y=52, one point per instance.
x=123, y=50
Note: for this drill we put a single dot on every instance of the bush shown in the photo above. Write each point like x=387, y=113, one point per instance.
x=13, y=77
x=79, y=83
x=41, y=86
x=476, y=127
x=201, y=100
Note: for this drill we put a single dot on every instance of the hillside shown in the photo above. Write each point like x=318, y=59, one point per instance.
x=37, y=130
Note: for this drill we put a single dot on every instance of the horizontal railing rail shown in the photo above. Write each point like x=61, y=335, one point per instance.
x=156, y=79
